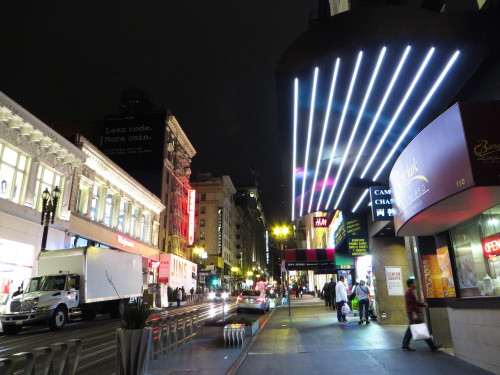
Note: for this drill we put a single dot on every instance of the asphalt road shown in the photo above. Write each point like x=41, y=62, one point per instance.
x=99, y=337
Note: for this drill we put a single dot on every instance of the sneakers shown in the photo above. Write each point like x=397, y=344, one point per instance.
x=368, y=322
x=408, y=349
x=360, y=322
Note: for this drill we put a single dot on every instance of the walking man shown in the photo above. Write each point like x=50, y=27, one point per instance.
x=179, y=297
x=363, y=293
x=413, y=310
x=331, y=289
x=340, y=299
x=326, y=295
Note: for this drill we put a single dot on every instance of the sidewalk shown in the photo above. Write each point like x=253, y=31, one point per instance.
x=311, y=342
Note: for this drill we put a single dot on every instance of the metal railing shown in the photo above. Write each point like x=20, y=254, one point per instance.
x=172, y=331
x=57, y=359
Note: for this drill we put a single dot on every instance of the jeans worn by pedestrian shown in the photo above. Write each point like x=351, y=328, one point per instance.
x=341, y=317
x=327, y=300
x=364, y=304
x=407, y=337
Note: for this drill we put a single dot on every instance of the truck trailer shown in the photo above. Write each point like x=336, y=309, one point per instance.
x=73, y=284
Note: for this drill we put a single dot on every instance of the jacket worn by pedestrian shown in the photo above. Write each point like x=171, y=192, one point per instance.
x=331, y=288
x=412, y=305
x=340, y=292
x=363, y=292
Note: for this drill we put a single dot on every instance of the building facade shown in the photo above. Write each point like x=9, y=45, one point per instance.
x=33, y=157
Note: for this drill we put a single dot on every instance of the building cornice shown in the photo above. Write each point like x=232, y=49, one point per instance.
x=181, y=136
x=107, y=169
x=30, y=134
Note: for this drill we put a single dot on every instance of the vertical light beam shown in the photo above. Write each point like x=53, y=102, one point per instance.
x=398, y=111
x=309, y=132
x=295, y=115
x=356, y=124
x=325, y=127
x=445, y=71
x=374, y=122
x=339, y=130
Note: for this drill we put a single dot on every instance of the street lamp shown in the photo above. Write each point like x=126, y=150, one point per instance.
x=234, y=270
x=49, y=206
x=281, y=234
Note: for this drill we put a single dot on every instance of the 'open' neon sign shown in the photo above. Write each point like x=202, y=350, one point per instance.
x=491, y=247
x=191, y=206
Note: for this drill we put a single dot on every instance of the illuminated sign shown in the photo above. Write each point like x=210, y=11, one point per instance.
x=320, y=222
x=491, y=247
x=191, y=204
x=267, y=247
x=220, y=232
x=124, y=241
x=381, y=200
x=155, y=264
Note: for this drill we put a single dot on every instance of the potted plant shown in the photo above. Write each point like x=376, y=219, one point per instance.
x=133, y=340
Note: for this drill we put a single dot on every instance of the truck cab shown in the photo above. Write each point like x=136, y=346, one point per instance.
x=50, y=298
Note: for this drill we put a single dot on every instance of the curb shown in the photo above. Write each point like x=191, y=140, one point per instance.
x=236, y=364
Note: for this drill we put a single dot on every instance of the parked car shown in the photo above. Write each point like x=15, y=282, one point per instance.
x=252, y=300
x=219, y=295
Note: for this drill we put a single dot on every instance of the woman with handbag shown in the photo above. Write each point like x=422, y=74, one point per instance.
x=363, y=293
x=412, y=310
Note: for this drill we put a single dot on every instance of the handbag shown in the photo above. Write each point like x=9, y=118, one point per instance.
x=352, y=295
x=420, y=331
x=346, y=309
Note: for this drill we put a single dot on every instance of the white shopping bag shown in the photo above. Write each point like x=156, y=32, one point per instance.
x=419, y=331
x=346, y=309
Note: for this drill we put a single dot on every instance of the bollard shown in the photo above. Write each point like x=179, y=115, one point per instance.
x=184, y=322
x=176, y=331
x=6, y=366
x=29, y=362
x=63, y=368
x=168, y=334
x=46, y=366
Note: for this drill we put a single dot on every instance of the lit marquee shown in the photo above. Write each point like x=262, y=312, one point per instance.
x=356, y=116
x=191, y=207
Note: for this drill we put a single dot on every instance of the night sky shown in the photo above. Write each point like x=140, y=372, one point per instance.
x=210, y=62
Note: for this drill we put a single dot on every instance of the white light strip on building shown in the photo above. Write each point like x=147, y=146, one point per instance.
x=344, y=111
x=398, y=111
x=374, y=122
x=356, y=124
x=325, y=127
x=309, y=132
x=445, y=71
x=295, y=111
x=360, y=201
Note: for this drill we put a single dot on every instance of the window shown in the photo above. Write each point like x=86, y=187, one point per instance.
x=202, y=222
x=95, y=200
x=13, y=167
x=108, y=210
x=203, y=197
x=122, y=215
x=46, y=179
x=133, y=221
x=476, y=243
x=202, y=209
x=145, y=234
x=154, y=238
x=202, y=235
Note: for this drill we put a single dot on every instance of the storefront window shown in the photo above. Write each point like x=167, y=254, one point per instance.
x=12, y=172
x=476, y=243
x=46, y=179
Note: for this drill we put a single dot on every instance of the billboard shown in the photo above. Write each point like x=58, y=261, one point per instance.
x=177, y=272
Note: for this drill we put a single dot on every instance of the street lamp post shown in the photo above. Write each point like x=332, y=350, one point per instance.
x=281, y=233
x=49, y=206
x=234, y=270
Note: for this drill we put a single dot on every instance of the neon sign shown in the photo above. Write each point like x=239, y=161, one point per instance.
x=491, y=247
x=124, y=241
x=191, y=204
x=320, y=222
x=155, y=264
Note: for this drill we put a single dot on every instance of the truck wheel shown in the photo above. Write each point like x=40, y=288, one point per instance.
x=58, y=319
x=89, y=314
x=11, y=329
x=117, y=311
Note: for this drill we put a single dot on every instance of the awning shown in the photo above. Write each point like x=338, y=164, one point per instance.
x=309, y=259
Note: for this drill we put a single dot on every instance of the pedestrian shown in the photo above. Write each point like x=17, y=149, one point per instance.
x=326, y=295
x=340, y=299
x=315, y=291
x=363, y=293
x=17, y=292
x=331, y=289
x=179, y=297
x=413, y=311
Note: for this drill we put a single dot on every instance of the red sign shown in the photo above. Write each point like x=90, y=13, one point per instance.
x=124, y=241
x=155, y=264
x=191, y=204
x=491, y=247
x=320, y=222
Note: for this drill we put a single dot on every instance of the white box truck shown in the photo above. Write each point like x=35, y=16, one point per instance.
x=75, y=283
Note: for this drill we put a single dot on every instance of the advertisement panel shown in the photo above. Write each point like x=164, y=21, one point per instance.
x=381, y=203
x=394, y=279
x=177, y=272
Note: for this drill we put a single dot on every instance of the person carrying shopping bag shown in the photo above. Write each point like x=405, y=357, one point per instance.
x=363, y=293
x=340, y=299
x=413, y=310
